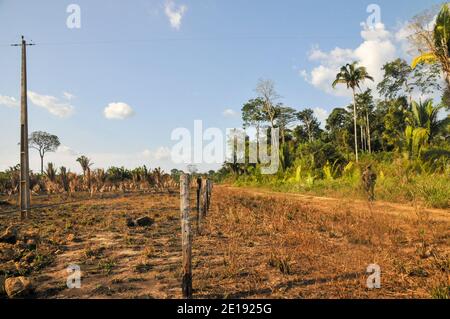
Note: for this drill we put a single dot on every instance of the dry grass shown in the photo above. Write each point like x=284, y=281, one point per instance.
x=253, y=245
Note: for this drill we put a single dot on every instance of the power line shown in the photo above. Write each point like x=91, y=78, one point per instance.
x=205, y=38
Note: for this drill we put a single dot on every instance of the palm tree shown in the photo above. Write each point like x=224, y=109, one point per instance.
x=86, y=166
x=423, y=125
x=437, y=42
x=353, y=76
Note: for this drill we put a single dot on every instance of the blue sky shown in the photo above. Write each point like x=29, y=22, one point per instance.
x=161, y=64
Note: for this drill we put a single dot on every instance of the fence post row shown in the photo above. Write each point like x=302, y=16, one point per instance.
x=186, y=237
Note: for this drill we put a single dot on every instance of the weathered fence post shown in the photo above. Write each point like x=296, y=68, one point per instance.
x=199, y=189
x=186, y=237
x=204, y=196
x=199, y=205
x=209, y=192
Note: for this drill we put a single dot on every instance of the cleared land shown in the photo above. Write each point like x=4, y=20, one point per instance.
x=255, y=244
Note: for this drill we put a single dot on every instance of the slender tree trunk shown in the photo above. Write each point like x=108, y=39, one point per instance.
x=355, y=126
x=368, y=133
x=257, y=143
x=42, y=164
x=362, y=138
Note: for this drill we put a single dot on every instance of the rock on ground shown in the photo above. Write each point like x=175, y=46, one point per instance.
x=9, y=236
x=17, y=287
x=144, y=221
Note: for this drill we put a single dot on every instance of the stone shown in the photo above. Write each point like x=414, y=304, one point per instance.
x=144, y=221
x=17, y=287
x=6, y=252
x=9, y=236
x=130, y=222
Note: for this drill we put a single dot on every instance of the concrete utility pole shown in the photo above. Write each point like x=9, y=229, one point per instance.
x=24, y=158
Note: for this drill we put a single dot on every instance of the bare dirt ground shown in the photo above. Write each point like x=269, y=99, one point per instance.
x=254, y=244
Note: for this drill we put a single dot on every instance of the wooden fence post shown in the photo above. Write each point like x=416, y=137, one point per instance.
x=186, y=237
x=199, y=205
x=204, y=196
x=209, y=192
x=199, y=189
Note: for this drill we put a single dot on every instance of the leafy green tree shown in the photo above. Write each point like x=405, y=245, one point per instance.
x=352, y=76
x=44, y=143
x=400, y=79
x=309, y=124
x=284, y=117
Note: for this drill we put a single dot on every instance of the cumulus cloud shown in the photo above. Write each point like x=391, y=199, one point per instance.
x=8, y=101
x=118, y=111
x=160, y=154
x=377, y=48
x=52, y=104
x=66, y=150
x=174, y=13
x=229, y=113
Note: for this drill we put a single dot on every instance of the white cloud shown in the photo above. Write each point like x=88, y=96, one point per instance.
x=51, y=104
x=377, y=48
x=229, y=113
x=65, y=150
x=304, y=74
x=161, y=154
x=68, y=96
x=174, y=13
x=118, y=111
x=8, y=101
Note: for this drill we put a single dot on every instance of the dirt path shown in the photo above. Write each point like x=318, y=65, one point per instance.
x=334, y=203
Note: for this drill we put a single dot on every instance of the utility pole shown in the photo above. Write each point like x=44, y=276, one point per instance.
x=24, y=158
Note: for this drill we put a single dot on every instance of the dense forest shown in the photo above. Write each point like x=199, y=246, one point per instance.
x=401, y=129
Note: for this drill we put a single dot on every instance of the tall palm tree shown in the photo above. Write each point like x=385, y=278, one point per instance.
x=353, y=75
x=436, y=41
x=86, y=166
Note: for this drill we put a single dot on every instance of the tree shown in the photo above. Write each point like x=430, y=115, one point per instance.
x=365, y=106
x=352, y=76
x=44, y=143
x=426, y=115
x=86, y=167
x=339, y=126
x=252, y=114
x=396, y=79
x=401, y=79
x=433, y=44
x=284, y=117
x=268, y=94
x=309, y=123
